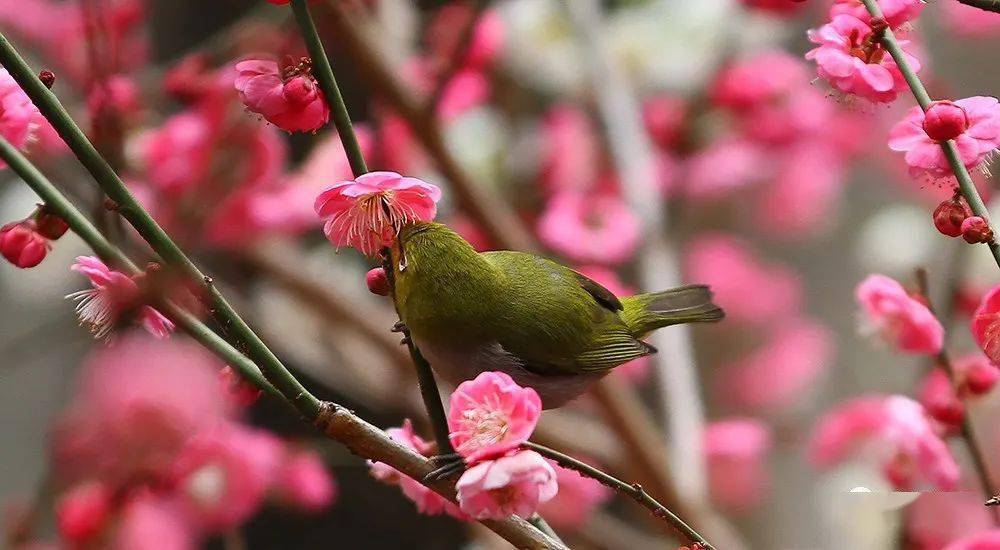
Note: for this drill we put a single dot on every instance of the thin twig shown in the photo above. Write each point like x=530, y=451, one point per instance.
x=634, y=490
x=335, y=421
x=965, y=184
x=967, y=431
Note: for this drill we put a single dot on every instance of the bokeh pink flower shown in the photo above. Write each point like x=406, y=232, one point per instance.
x=899, y=319
x=113, y=294
x=585, y=228
x=736, y=452
x=287, y=97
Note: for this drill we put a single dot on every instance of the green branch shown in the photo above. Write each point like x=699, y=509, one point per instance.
x=328, y=83
x=151, y=232
x=965, y=183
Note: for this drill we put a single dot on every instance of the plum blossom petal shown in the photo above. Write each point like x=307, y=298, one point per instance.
x=899, y=319
x=510, y=485
x=491, y=415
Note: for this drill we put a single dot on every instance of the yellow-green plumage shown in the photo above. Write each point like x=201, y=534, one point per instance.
x=546, y=325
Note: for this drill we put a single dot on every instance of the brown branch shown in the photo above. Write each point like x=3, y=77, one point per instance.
x=498, y=220
x=369, y=442
x=634, y=490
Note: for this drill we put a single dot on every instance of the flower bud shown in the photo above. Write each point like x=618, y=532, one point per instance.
x=48, y=78
x=21, y=244
x=300, y=89
x=949, y=215
x=976, y=230
x=378, y=283
x=238, y=391
x=82, y=511
x=981, y=377
x=49, y=225
x=945, y=120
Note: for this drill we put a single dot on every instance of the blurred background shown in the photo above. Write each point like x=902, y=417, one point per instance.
x=646, y=143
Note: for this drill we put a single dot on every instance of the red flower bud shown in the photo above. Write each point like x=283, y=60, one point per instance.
x=976, y=230
x=50, y=225
x=949, y=215
x=82, y=511
x=981, y=377
x=48, y=78
x=238, y=391
x=21, y=244
x=378, y=283
x=945, y=120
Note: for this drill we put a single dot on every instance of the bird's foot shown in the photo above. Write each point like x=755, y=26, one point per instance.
x=445, y=466
x=401, y=328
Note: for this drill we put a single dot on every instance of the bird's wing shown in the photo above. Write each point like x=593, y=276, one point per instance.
x=566, y=323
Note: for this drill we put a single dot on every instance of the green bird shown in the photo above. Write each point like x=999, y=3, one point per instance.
x=545, y=325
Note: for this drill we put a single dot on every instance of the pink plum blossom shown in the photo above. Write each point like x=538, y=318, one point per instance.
x=664, y=116
x=901, y=320
x=783, y=371
x=17, y=114
x=973, y=123
x=303, y=481
x=222, y=475
x=985, y=325
x=723, y=167
x=22, y=245
x=801, y=201
x=976, y=374
x=599, y=229
x=427, y=501
x=939, y=398
x=776, y=7
x=968, y=21
x=570, y=149
x=894, y=432
x=288, y=97
x=936, y=518
x=491, y=415
x=577, y=499
x=153, y=518
x=895, y=12
x=137, y=403
x=444, y=35
x=113, y=294
x=986, y=540
x=463, y=92
x=750, y=290
x=82, y=511
x=366, y=213
x=736, y=452
x=510, y=485
x=850, y=57
x=750, y=83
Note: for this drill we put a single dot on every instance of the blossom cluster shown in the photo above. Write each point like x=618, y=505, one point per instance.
x=154, y=446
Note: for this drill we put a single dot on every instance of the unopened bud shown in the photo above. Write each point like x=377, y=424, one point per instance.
x=945, y=120
x=976, y=230
x=48, y=78
x=949, y=215
x=981, y=377
x=377, y=282
x=21, y=244
x=49, y=224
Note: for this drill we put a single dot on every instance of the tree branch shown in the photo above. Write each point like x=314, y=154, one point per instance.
x=634, y=490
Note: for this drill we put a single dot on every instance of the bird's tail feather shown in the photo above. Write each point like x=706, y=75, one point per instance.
x=644, y=313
